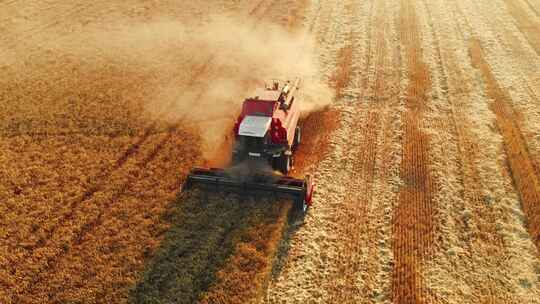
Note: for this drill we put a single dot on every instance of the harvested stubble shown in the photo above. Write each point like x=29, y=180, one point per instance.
x=317, y=128
x=342, y=75
x=521, y=163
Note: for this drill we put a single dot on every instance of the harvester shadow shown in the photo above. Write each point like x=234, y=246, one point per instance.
x=295, y=223
x=205, y=228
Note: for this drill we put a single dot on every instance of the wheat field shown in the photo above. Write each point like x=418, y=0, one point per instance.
x=421, y=128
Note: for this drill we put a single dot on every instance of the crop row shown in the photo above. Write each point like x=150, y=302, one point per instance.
x=413, y=224
x=522, y=165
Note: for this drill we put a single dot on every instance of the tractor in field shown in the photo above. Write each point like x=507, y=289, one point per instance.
x=266, y=136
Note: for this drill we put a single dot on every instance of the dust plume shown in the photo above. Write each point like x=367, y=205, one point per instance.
x=208, y=70
x=237, y=57
x=196, y=76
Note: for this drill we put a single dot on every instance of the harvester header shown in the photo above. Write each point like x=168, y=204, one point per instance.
x=299, y=190
x=266, y=136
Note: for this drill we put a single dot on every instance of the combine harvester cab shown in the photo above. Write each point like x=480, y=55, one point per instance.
x=266, y=134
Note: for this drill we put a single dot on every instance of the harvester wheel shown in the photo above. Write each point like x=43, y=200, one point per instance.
x=297, y=137
x=285, y=163
x=308, y=199
x=236, y=159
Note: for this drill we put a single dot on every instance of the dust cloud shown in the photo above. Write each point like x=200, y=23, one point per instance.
x=199, y=75
x=229, y=59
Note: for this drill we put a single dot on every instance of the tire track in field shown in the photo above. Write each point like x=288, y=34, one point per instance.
x=483, y=238
x=341, y=283
x=455, y=80
x=524, y=174
x=345, y=287
x=488, y=232
x=498, y=26
x=529, y=27
x=260, y=7
x=414, y=215
x=51, y=261
x=100, y=180
x=383, y=103
x=532, y=7
x=527, y=81
x=104, y=176
x=61, y=19
x=522, y=166
x=469, y=147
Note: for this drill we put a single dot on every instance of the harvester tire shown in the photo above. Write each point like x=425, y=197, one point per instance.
x=235, y=160
x=297, y=138
x=285, y=163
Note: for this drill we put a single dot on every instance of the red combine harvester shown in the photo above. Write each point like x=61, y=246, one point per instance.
x=266, y=136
